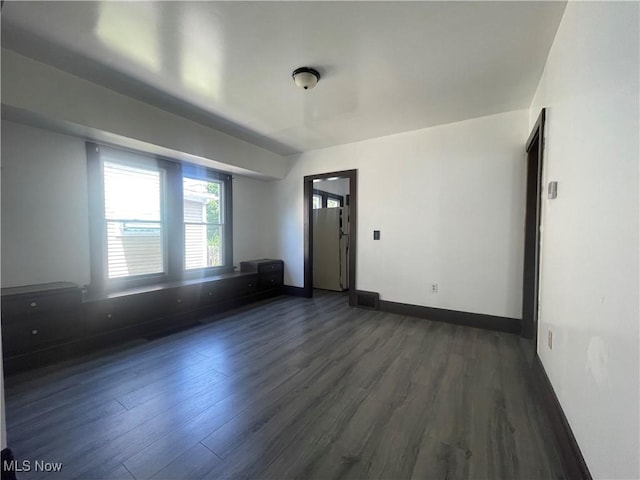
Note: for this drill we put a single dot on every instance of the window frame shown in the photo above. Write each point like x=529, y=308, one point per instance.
x=326, y=196
x=202, y=173
x=171, y=219
x=142, y=165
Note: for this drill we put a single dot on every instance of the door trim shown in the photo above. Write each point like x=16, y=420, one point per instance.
x=352, y=175
x=533, y=210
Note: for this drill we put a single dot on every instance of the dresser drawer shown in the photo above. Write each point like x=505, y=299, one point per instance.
x=238, y=287
x=114, y=313
x=220, y=290
x=15, y=307
x=27, y=335
x=182, y=299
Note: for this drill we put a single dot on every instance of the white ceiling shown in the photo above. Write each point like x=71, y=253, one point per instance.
x=387, y=67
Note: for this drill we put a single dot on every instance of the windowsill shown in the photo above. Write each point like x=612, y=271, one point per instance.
x=92, y=297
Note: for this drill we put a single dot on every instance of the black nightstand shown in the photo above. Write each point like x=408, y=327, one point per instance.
x=270, y=272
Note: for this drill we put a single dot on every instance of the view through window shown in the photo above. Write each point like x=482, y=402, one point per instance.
x=202, y=223
x=155, y=220
x=132, y=211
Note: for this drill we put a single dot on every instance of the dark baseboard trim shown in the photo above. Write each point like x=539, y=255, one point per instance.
x=295, y=291
x=478, y=320
x=9, y=461
x=573, y=462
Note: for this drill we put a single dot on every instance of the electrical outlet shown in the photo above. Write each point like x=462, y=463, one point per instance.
x=434, y=287
x=550, y=339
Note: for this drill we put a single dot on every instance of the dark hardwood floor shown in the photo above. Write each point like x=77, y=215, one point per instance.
x=290, y=388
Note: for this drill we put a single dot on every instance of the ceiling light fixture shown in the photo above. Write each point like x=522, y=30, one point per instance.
x=306, y=77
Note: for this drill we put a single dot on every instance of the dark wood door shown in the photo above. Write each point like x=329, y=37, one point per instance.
x=530, y=284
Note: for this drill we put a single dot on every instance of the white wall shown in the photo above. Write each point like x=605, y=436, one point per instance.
x=45, y=218
x=45, y=232
x=253, y=220
x=589, y=266
x=449, y=202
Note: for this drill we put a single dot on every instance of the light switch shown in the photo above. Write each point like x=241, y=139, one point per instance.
x=552, y=190
x=376, y=234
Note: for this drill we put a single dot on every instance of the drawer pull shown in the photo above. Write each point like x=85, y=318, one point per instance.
x=34, y=331
x=179, y=300
x=250, y=285
x=210, y=293
x=108, y=315
x=33, y=304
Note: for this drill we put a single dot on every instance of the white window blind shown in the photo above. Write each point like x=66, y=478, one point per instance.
x=132, y=200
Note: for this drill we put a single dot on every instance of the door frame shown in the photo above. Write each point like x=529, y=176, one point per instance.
x=352, y=175
x=533, y=215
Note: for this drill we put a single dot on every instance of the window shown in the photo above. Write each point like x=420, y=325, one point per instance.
x=333, y=203
x=155, y=220
x=203, y=246
x=322, y=199
x=132, y=217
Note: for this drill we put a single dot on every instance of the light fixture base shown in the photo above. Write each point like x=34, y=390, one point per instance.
x=306, y=77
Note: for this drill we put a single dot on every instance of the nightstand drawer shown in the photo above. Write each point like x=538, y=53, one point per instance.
x=270, y=267
x=264, y=265
x=270, y=280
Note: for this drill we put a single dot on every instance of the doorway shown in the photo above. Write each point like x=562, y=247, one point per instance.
x=531, y=273
x=352, y=200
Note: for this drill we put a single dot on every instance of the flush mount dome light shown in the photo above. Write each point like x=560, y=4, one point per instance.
x=306, y=77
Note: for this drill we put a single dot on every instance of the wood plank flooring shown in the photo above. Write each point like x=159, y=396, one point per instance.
x=290, y=388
